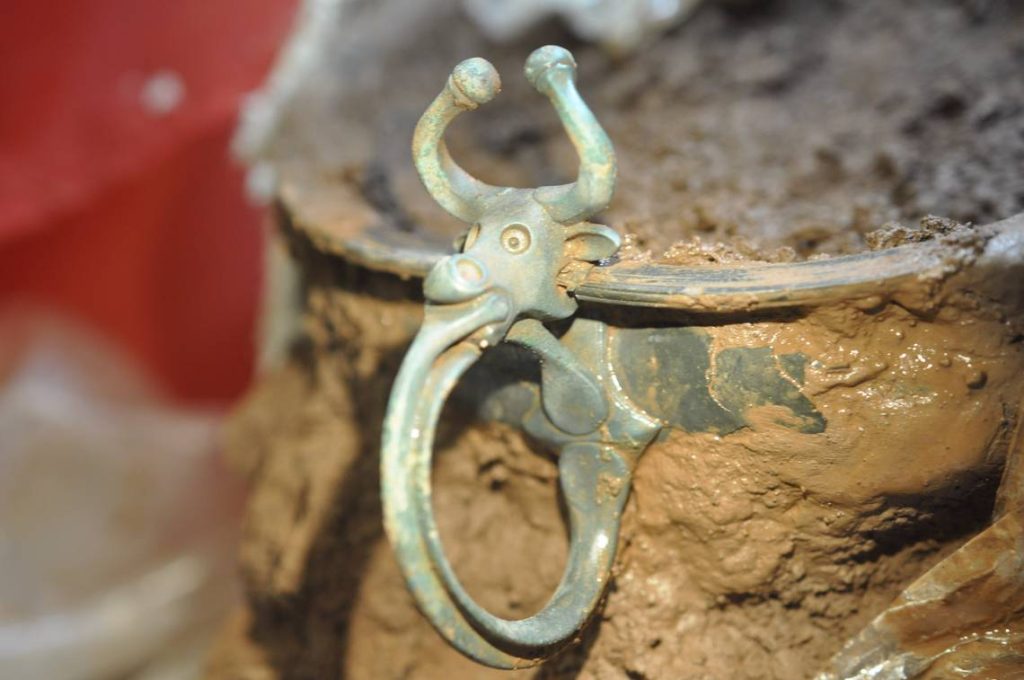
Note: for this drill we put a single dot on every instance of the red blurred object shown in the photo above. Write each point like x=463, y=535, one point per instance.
x=119, y=203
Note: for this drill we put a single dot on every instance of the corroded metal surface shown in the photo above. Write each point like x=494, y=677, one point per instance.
x=672, y=374
x=607, y=391
x=500, y=285
x=717, y=288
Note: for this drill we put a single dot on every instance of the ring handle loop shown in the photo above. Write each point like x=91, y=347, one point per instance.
x=594, y=481
x=498, y=289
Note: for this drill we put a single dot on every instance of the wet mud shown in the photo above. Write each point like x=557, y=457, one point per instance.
x=761, y=533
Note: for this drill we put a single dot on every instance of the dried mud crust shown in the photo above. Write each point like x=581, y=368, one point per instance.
x=765, y=130
x=748, y=555
x=785, y=129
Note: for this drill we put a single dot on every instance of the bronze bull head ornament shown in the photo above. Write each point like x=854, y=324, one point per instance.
x=608, y=387
x=513, y=271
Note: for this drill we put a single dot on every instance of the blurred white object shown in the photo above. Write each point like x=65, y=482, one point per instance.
x=116, y=526
x=317, y=23
x=360, y=30
x=621, y=25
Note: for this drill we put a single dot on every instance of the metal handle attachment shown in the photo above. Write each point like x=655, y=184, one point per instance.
x=500, y=287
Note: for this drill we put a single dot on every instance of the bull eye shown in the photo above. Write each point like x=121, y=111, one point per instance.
x=515, y=238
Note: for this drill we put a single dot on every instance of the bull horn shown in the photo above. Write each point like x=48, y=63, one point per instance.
x=552, y=71
x=472, y=83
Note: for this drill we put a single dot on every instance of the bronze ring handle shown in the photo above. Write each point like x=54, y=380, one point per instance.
x=587, y=469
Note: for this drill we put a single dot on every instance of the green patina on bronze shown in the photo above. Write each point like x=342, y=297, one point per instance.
x=517, y=267
x=795, y=366
x=668, y=372
x=748, y=377
x=513, y=271
x=602, y=394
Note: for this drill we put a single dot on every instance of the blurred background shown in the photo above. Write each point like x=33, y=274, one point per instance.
x=137, y=162
x=120, y=205
x=131, y=263
x=133, y=259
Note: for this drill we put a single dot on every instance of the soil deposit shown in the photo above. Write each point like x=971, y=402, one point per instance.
x=757, y=130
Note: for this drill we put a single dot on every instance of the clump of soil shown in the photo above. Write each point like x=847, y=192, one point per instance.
x=758, y=130
x=793, y=124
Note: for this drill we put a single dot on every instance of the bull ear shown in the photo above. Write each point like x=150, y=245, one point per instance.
x=591, y=242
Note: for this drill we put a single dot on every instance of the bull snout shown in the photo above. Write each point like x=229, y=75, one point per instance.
x=456, y=278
